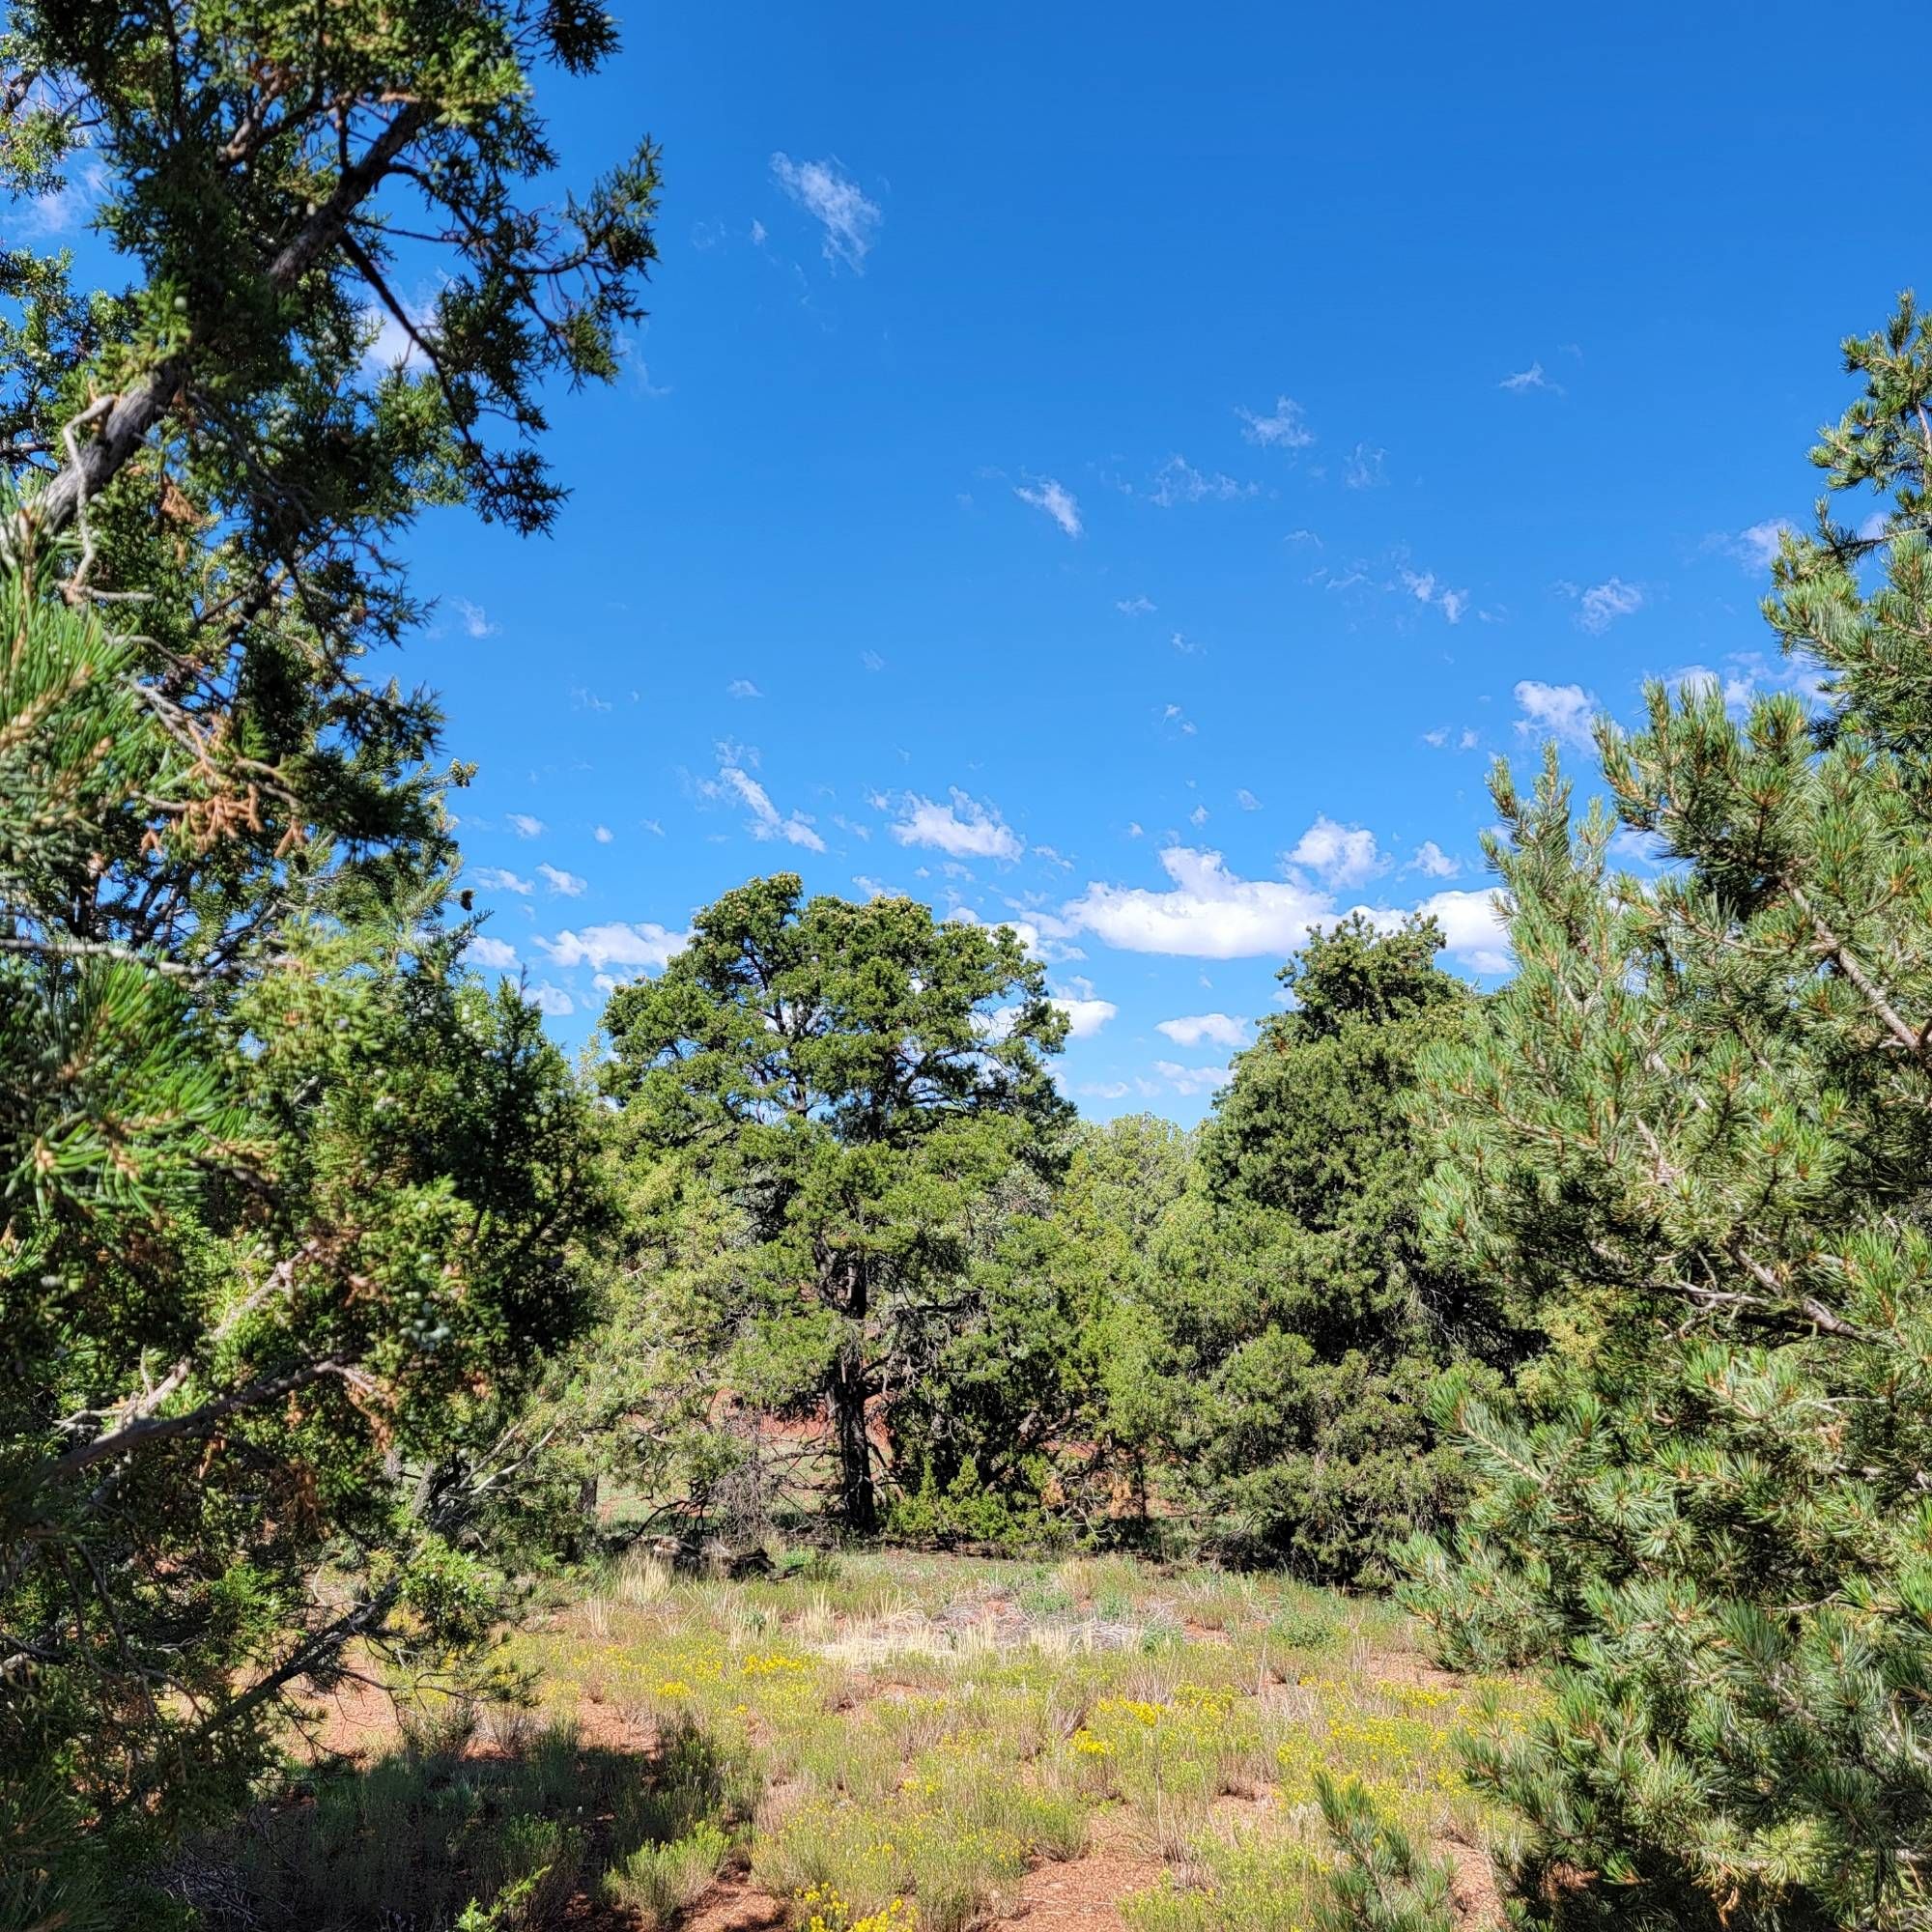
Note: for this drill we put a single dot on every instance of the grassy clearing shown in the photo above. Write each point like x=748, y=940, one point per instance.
x=889, y=1744
x=922, y=1730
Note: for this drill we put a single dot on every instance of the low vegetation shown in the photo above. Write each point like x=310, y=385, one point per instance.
x=895, y=1743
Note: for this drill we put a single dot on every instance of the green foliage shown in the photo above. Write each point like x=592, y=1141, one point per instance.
x=1691, y=1141
x=849, y=1081
x=1301, y=1317
x=287, y=1200
x=1382, y=1883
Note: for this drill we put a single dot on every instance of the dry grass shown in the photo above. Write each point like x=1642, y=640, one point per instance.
x=925, y=1730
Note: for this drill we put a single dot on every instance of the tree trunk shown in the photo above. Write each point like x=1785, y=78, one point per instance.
x=858, y=1499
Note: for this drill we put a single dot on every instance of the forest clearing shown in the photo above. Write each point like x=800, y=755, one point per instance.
x=875, y=1743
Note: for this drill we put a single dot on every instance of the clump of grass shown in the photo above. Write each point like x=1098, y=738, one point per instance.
x=660, y=1882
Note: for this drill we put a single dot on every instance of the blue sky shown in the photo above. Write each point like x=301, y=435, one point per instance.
x=1127, y=470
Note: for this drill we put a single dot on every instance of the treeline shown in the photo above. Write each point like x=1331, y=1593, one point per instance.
x=890, y=1282
x=1591, y=1312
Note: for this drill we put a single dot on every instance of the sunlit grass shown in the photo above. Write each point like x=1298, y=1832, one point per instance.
x=918, y=1732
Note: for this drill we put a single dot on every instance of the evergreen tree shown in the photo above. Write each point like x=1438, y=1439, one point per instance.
x=1303, y=1315
x=287, y=1200
x=1693, y=1141
x=851, y=1079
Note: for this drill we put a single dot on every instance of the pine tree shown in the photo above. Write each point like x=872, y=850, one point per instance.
x=287, y=1198
x=1693, y=1142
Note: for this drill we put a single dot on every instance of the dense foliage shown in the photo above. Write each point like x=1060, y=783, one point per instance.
x=851, y=1079
x=287, y=1200
x=1301, y=1319
x=1692, y=1139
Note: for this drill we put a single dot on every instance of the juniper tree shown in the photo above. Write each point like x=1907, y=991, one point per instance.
x=1302, y=1319
x=851, y=1078
x=1692, y=1140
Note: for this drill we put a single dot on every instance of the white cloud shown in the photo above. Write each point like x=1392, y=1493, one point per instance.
x=1198, y=817
x=1208, y=913
x=1191, y=1079
x=551, y=1000
x=1247, y=801
x=525, y=826
x=1430, y=858
x=1086, y=1018
x=1471, y=931
x=1212, y=913
x=493, y=878
x=767, y=821
x=1532, y=377
x=871, y=660
x=1286, y=429
x=757, y=234
x=1104, y=1090
x=1191, y=1029
x=1422, y=585
x=1602, y=603
x=1133, y=607
x=742, y=686
x=616, y=944
x=1363, y=470
x=559, y=881
x=965, y=828
x=475, y=620
x=603, y=835
x=1177, y=481
x=1339, y=855
x=825, y=191
x=1757, y=546
x=495, y=953
x=1058, y=503
x=1561, y=711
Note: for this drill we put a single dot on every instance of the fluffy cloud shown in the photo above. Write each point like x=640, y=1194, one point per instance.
x=742, y=686
x=1207, y=914
x=1191, y=1079
x=825, y=191
x=551, y=1000
x=560, y=881
x=1220, y=1029
x=767, y=821
x=1210, y=913
x=525, y=826
x=1286, y=429
x=1133, y=607
x=494, y=879
x=1602, y=603
x=1057, y=503
x=1247, y=801
x=1085, y=1018
x=1560, y=711
x=1339, y=855
x=603, y=835
x=1471, y=931
x=1430, y=858
x=493, y=953
x=965, y=828
x=602, y=946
